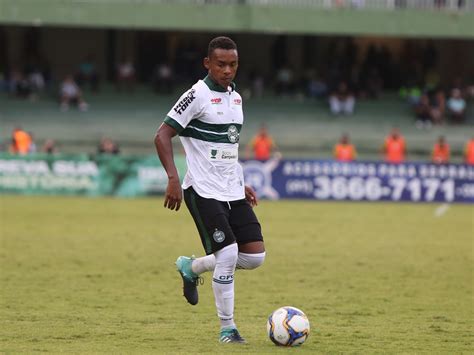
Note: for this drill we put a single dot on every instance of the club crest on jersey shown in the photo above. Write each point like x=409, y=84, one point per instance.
x=233, y=134
x=185, y=102
x=218, y=236
x=216, y=101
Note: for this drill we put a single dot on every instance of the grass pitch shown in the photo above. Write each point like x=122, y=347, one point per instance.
x=97, y=275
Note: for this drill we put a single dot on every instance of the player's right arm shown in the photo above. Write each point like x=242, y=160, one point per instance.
x=186, y=108
x=164, y=148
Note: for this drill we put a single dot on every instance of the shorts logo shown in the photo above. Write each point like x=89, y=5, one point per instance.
x=218, y=236
x=233, y=134
x=185, y=102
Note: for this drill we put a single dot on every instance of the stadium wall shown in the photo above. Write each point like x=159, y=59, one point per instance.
x=195, y=16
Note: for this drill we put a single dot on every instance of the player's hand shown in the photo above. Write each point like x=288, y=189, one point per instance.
x=251, y=196
x=174, y=195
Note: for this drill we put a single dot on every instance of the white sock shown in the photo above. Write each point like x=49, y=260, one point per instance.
x=223, y=284
x=250, y=261
x=203, y=264
x=245, y=261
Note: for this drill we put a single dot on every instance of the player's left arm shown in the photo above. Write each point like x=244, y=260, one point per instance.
x=251, y=196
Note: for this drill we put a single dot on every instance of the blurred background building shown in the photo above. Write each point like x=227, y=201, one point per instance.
x=400, y=63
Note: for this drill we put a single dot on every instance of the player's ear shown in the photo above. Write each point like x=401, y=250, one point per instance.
x=206, y=63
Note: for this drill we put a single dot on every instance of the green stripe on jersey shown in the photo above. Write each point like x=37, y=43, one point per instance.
x=209, y=132
x=214, y=127
x=173, y=123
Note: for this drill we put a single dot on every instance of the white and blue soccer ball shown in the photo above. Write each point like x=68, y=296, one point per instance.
x=288, y=326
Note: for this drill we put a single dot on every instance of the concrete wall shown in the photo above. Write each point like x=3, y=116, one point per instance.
x=202, y=16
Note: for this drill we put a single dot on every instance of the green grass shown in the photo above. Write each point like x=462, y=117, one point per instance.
x=97, y=275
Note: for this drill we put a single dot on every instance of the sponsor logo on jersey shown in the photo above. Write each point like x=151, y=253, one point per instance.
x=218, y=236
x=233, y=134
x=237, y=101
x=216, y=100
x=229, y=154
x=185, y=102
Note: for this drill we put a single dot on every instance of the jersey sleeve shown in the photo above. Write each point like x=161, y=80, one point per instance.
x=186, y=109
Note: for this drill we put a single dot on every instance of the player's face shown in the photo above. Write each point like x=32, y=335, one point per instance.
x=222, y=66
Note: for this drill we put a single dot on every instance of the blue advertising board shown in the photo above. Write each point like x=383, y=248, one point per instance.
x=360, y=181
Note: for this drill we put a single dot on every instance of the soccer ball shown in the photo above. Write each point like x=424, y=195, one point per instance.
x=288, y=326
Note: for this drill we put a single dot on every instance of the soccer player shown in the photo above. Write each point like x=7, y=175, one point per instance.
x=208, y=118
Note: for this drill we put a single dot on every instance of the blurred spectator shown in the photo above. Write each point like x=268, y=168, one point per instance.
x=411, y=93
x=49, y=147
x=163, y=79
x=423, y=112
x=37, y=83
x=344, y=150
x=262, y=145
x=456, y=106
x=19, y=86
x=125, y=75
x=432, y=80
x=394, y=148
x=88, y=74
x=316, y=87
x=107, y=146
x=373, y=84
x=469, y=152
x=438, y=106
x=71, y=94
x=441, y=151
x=22, y=142
x=342, y=100
x=284, y=81
x=258, y=84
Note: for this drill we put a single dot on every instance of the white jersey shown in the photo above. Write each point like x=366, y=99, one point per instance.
x=208, y=119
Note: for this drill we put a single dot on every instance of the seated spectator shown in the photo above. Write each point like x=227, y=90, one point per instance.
x=411, y=93
x=49, y=147
x=373, y=84
x=107, y=146
x=441, y=152
x=394, y=147
x=456, y=106
x=19, y=86
x=284, y=81
x=22, y=142
x=71, y=94
x=37, y=82
x=344, y=151
x=342, y=100
x=423, y=112
x=88, y=74
x=163, y=79
x=438, y=106
x=316, y=86
x=126, y=75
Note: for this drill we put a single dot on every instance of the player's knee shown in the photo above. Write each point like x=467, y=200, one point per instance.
x=250, y=261
x=227, y=255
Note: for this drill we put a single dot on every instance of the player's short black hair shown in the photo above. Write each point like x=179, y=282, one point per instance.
x=221, y=42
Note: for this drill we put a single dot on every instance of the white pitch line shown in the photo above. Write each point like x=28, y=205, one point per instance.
x=441, y=210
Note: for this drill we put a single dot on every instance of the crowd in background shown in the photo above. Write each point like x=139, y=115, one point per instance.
x=339, y=81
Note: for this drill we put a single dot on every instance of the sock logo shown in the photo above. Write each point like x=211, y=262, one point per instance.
x=218, y=236
x=226, y=277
